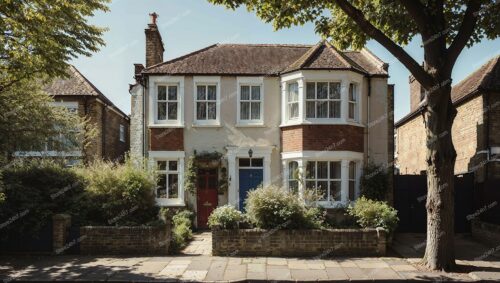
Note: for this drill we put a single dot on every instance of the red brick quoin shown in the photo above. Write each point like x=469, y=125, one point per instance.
x=166, y=139
x=322, y=137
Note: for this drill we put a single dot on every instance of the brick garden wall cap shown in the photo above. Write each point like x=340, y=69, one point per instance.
x=61, y=216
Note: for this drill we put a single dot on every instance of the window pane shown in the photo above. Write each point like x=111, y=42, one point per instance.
x=335, y=190
x=352, y=185
x=172, y=93
x=322, y=190
x=334, y=109
x=310, y=109
x=293, y=92
x=201, y=112
x=255, y=110
x=212, y=92
x=212, y=110
x=311, y=170
x=161, y=188
x=292, y=169
x=335, y=170
x=257, y=162
x=322, y=90
x=173, y=186
x=256, y=92
x=201, y=91
x=162, y=92
x=294, y=110
x=293, y=186
x=172, y=110
x=352, y=170
x=244, y=162
x=172, y=165
x=334, y=90
x=352, y=92
x=322, y=169
x=311, y=185
x=161, y=165
x=351, y=110
x=310, y=91
x=321, y=109
x=162, y=110
x=245, y=110
x=245, y=92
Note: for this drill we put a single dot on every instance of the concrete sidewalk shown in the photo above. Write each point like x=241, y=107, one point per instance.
x=197, y=266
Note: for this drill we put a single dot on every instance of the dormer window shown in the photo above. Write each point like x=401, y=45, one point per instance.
x=293, y=100
x=323, y=100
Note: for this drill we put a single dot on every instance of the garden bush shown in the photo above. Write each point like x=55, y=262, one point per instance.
x=225, y=217
x=276, y=208
x=181, y=229
x=34, y=190
x=374, y=182
x=118, y=194
x=374, y=214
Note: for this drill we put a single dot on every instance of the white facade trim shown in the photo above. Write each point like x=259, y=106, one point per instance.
x=48, y=153
x=207, y=80
x=154, y=82
x=251, y=81
x=170, y=155
x=233, y=153
x=323, y=155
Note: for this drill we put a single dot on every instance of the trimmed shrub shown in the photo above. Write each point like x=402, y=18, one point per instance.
x=374, y=214
x=118, y=194
x=181, y=230
x=225, y=217
x=374, y=182
x=276, y=208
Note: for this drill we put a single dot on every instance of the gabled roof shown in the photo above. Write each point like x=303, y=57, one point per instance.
x=268, y=59
x=484, y=79
x=76, y=84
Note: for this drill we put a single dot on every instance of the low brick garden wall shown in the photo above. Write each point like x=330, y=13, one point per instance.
x=485, y=232
x=321, y=243
x=134, y=240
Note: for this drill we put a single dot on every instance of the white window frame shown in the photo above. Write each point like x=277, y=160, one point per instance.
x=155, y=81
x=327, y=179
x=288, y=103
x=355, y=179
x=166, y=101
x=355, y=102
x=209, y=80
x=154, y=157
x=122, y=133
x=339, y=100
x=290, y=175
x=250, y=81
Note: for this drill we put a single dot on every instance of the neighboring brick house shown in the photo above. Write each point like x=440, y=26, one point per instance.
x=110, y=124
x=270, y=110
x=475, y=131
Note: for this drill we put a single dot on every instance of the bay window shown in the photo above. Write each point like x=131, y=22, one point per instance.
x=293, y=182
x=352, y=180
x=353, y=102
x=325, y=178
x=323, y=100
x=293, y=100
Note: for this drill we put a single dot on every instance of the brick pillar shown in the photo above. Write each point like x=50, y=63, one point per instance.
x=60, y=225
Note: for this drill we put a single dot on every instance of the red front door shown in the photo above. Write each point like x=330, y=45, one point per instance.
x=206, y=195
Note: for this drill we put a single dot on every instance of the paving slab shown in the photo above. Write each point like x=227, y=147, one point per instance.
x=308, y=275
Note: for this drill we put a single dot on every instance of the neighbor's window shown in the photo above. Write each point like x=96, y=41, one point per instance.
x=122, y=133
x=353, y=101
x=168, y=179
x=293, y=100
x=352, y=180
x=250, y=103
x=206, y=102
x=323, y=100
x=167, y=102
x=325, y=178
x=293, y=183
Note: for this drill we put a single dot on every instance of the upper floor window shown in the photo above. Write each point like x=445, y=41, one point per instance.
x=325, y=178
x=323, y=100
x=168, y=179
x=167, y=102
x=293, y=100
x=206, y=102
x=353, y=101
x=122, y=133
x=250, y=103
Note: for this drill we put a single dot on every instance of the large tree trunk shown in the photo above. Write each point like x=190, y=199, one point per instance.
x=441, y=155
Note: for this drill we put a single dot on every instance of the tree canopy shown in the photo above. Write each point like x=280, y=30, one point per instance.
x=41, y=36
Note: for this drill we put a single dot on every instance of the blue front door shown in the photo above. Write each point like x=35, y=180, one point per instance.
x=249, y=180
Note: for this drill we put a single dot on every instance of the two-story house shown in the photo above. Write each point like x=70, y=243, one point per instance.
x=270, y=110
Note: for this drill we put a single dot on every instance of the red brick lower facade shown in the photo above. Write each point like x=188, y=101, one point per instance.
x=166, y=139
x=322, y=137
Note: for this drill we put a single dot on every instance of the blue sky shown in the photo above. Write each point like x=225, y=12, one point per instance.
x=188, y=25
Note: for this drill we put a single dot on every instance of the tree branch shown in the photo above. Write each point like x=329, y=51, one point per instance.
x=417, y=11
x=464, y=33
x=357, y=16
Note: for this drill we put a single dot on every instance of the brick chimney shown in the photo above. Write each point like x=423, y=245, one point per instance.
x=154, y=43
x=417, y=93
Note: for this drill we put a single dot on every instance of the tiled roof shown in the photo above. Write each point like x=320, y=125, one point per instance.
x=486, y=78
x=267, y=59
x=76, y=84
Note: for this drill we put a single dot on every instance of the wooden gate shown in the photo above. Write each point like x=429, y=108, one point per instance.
x=410, y=195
